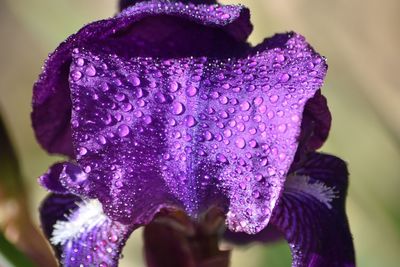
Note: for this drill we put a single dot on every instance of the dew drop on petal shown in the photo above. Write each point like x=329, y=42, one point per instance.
x=90, y=71
x=221, y=158
x=173, y=87
x=191, y=91
x=160, y=98
x=135, y=81
x=123, y=130
x=147, y=119
x=190, y=121
x=245, y=106
x=273, y=98
x=282, y=128
x=82, y=151
x=240, y=142
x=76, y=75
x=177, y=108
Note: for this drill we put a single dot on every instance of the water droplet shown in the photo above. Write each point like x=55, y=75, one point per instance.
x=223, y=100
x=172, y=122
x=282, y=128
x=190, y=121
x=225, y=16
x=82, y=151
x=273, y=98
x=76, y=75
x=126, y=107
x=264, y=161
x=240, y=142
x=295, y=118
x=245, y=106
x=135, y=81
x=173, y=87
x=105, y=87
x=119, y=97
x=113, y=238
x=177, y=108
x=258, y=177
x=102, y=139
x=241, y=127
x=118, y=184
x=242, y=185
x=253, y=143
x=80, y=62
x=160, y=98
x=191, y=91
x=253, y=131
x=280, y=58
x=87, y=169
x=123, y=130
x=284, y=77
x=223, y=114
x=138, y=113
x=256, y=194
x=90, y=71
x=221, y=158
x=258, y=101
x=208, y=135
x=147, y=119
x=228, y=133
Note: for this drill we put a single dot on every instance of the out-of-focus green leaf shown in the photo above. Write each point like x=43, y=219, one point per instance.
x=10, y=256
x=277, y=255
x=10, y=177
x=16, y=224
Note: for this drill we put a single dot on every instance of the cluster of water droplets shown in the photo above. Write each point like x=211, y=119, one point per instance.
x=197, y=123
x=213, y=14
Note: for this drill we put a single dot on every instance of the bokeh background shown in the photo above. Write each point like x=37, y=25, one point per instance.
x=361, y=40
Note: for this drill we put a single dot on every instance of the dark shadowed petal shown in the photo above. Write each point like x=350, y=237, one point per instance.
x=64, y=178
x=51, y=179
x=81, y=234
x=316, y=122
x=210, y=131
x=174, y=240
x=150, y=28
x=268, y=235
x=311, y=214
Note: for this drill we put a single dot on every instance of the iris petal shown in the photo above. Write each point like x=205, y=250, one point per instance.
x=151, y=28
x=81, y=234
x=199, y=131
x=51, y=179
x=311, y=214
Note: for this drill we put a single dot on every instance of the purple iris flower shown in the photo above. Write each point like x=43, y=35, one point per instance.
x=166, y=108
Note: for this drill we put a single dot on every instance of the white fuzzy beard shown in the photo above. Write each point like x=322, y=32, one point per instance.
x=319, y=190
x=88, y=216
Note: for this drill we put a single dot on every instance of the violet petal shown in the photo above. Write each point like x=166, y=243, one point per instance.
x=51, y=179
x=316, y=122
x=127, y=3
x=150, y=28
x=68, y=222
x=198, y=130
x=311, y=214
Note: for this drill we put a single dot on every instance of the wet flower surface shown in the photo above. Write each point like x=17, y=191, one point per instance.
x=165, y=107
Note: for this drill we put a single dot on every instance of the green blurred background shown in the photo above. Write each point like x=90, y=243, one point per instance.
x=360, y=38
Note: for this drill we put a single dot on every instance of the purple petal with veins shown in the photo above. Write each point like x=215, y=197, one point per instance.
x=236, y=156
